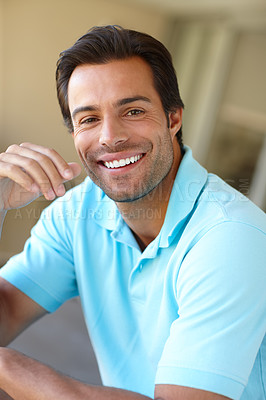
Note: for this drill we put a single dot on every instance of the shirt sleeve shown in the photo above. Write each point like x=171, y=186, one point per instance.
x=221, y=300
x=45, y=271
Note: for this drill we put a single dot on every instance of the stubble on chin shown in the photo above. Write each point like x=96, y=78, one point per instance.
x=127, y=190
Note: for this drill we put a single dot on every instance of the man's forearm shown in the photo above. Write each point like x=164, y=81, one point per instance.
x=26, y=379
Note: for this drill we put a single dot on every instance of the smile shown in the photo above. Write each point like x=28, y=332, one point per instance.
x=123, y=162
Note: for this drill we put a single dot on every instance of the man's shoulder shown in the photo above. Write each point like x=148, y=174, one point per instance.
x=222, y=211
x=210, y=200
x=222, y=203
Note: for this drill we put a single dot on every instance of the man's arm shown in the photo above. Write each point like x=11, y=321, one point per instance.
x=26, y=379
x=17, y=311
x=26, y=172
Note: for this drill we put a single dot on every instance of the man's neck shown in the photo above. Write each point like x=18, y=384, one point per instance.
x=145, y=216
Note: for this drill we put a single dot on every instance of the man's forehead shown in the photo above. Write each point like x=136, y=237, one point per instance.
x=133, y=66
x=116, y=81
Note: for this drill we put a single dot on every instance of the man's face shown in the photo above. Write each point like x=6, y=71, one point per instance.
x=120, y=128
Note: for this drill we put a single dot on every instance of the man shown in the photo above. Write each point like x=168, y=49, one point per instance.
x=166, y=258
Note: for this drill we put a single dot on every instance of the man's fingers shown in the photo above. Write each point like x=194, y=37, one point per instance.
x=61, y=165
x=75, y=168
x=44, y=168
x=17, y=175
x=40, y=169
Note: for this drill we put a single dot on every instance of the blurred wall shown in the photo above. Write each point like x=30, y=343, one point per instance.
x=221, y=66
x=237, y=150
x=247, y=86
x=32, y=34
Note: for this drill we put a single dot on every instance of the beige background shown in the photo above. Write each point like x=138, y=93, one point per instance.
x=220, y=57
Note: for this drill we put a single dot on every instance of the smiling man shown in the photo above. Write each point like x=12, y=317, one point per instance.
x=168, y=260
x=123, y=137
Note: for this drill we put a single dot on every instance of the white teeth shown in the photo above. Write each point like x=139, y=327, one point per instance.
x=122, y=162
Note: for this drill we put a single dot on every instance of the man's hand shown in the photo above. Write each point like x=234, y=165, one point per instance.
x=29, y=170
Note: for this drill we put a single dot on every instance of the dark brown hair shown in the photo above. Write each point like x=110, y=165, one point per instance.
x=102, y=44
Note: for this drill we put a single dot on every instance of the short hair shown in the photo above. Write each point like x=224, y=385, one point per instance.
x=103, y=44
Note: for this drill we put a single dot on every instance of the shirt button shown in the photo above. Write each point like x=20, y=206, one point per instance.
x=140, y=267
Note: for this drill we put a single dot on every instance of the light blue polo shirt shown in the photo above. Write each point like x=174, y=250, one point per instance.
x=189, y=310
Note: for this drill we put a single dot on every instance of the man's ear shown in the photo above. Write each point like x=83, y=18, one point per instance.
x=175, y=121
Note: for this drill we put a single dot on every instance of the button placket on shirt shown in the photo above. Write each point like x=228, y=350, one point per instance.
x=138, y=282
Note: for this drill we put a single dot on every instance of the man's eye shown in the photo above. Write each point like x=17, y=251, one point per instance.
x=135, y=112
x=89, y=120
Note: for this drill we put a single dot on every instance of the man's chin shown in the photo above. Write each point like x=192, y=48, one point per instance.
x=125, y=196
x=121, y=194
x=122, y=198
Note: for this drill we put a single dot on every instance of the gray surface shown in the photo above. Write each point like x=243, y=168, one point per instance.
x=61, y=341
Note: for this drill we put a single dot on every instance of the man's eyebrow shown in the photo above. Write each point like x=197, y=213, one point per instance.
x=128, y=100
x=82, y=109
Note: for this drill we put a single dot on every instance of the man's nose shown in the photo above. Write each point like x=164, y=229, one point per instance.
x=112, y=132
